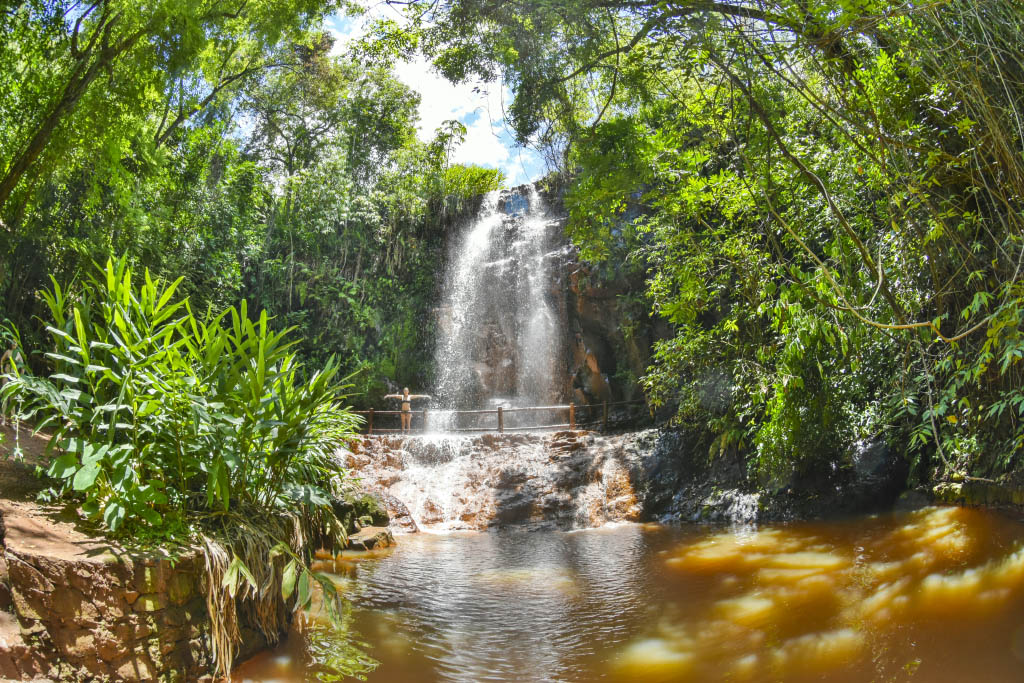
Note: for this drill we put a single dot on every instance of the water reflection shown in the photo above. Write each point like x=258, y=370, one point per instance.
x=934, y=595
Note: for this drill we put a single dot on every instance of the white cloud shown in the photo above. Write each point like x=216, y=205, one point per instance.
x=479, y=106
x=484, y=148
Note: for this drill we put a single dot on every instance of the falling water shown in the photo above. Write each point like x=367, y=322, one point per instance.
x=499, y=317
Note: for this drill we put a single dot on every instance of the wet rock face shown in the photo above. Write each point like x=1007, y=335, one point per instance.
x=679, y=482
x=563, y=480
x=570, y=480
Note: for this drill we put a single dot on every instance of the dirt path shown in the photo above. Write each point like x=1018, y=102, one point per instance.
x=18, y=481
x=49, y=529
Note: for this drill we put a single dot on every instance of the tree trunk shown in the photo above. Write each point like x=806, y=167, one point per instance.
x=81, y=78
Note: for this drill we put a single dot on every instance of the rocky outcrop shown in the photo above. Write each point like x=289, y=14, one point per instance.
x=358, y=509
x=83, y=609
x=370, y=537
x=609, y=334
x=969, y=491
x=556, y=480
x=581, y=479
x=681, y=482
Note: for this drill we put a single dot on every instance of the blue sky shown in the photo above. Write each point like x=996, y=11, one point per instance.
x=479, y=106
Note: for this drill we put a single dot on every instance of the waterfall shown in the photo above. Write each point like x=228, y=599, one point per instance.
x=499, y=324
x=447, y=482
x=501, y=342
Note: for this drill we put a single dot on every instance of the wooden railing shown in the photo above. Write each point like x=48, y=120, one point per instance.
x=571, y=410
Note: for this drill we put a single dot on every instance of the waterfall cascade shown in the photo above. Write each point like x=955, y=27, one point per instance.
x=500, y=321
x=566, y=480
x=502, y=342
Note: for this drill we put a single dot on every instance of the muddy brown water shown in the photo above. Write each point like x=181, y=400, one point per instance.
x=932, y=595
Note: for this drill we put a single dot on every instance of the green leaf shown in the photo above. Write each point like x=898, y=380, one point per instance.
x=62, y=358
x=60, y=333
x=247, y=574
x=91, y=508
x=306, y=494
x=305, y=589
x=64, y=466
x=288, y=579
x=113, y=515
x=91, y=455
x=86, y=477
x=230, y=580
x=234, y=571
x=151, y=516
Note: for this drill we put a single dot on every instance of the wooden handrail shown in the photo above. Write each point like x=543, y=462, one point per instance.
x=501, y=412
x=494, y=411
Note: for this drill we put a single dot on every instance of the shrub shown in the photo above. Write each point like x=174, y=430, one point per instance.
x=169, y=426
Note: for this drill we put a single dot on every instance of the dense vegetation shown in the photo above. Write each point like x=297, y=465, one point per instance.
x=828, y=197
x=224, y=143
x=167, y=426
x=254, y=182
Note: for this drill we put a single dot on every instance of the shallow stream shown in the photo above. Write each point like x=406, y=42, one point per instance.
x=933, y=595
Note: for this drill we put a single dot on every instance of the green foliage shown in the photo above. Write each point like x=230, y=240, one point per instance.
x=827, y=198
x=221, y=147
x=97, y=68
x=159, y=416
x=245, y=159
x=172, y=427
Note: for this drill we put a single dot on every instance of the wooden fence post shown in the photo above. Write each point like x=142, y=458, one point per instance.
x=501, y=420
x=572, y=417
x=604, y=418
x=369, y=423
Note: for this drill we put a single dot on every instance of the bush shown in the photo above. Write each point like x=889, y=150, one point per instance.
x=170, y=426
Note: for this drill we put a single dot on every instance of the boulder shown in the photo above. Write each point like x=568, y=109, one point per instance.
x=356, y=508
x=371, y=537
x=401, y=518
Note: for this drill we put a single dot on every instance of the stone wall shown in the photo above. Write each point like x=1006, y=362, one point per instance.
x=125, y=620
x=81, y=610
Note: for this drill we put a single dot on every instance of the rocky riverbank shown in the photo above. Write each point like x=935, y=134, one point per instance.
x=77, y=607
x=82, y=609
x=582, y=479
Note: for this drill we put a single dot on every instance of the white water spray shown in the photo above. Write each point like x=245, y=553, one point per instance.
x=498, y=340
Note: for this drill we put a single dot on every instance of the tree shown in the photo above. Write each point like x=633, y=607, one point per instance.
x=141, y=48
x=841, y=175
